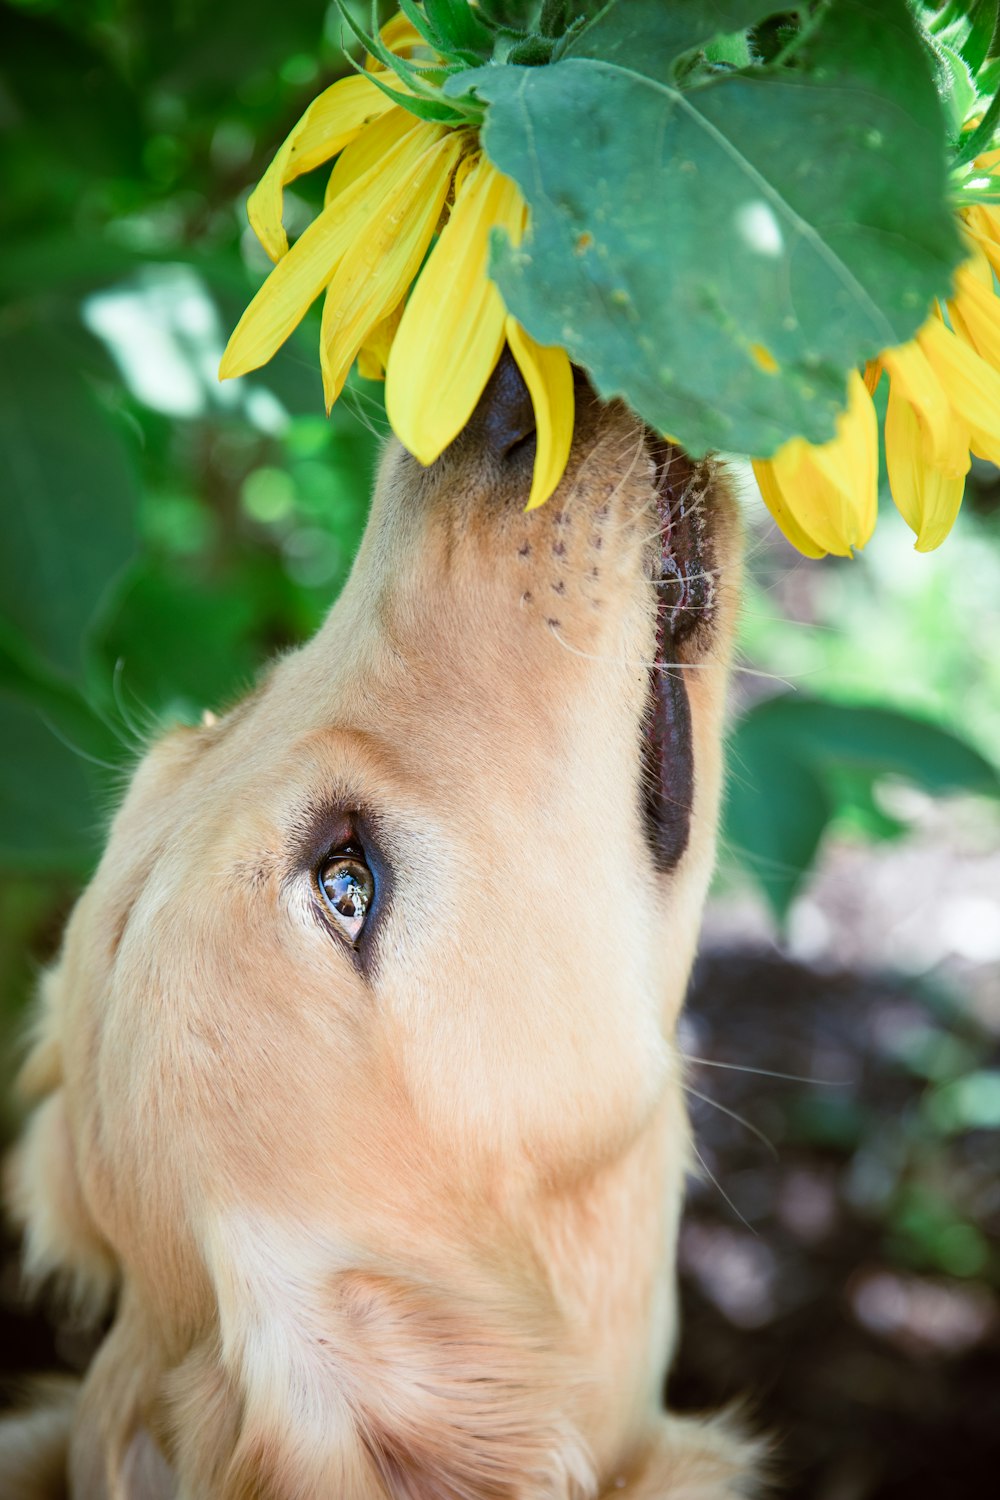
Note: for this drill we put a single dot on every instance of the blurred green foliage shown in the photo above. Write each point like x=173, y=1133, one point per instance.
x=162, y=534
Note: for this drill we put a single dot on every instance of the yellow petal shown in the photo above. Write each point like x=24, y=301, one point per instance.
x=825, y=497
x=972, y=386
x=773, y=477
x=376, y=271
x=549, y=377
x=943, y=438
x=330, y=123
x=368, y=149
x=984, y=219
x=977, y=264
x=452, y=331
x=837, y=502
x=301, y=275
x=983, y=227
x=373, y=356
x=928, y=498
x=975, y=314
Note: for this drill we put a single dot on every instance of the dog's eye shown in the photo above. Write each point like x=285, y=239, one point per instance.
x=348, y=888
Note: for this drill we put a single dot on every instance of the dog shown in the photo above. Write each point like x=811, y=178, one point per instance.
x=355, y=1088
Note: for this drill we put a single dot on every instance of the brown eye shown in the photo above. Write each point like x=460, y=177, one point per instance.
x=347, y=887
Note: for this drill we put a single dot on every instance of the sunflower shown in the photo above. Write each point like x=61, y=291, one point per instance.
x=943, y=407
x=400, y=254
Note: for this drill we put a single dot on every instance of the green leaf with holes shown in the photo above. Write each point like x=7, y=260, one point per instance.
x=721, y=253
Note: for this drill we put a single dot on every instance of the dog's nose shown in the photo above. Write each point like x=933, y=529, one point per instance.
x=505, y=415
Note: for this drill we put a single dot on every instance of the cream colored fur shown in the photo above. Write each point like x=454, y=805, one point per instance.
x=407, y=1232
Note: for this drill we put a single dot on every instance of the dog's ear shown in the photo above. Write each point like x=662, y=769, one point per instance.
x=42, y=1185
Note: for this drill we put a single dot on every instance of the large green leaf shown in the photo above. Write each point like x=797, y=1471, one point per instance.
x=794, y=215
x=61, y=766
x=878, y=741
x=777, y=810
x=58, y=703
x=797, y=762
x=185, y=641
x=49, y=819
x=649, y=37
x=68, y=493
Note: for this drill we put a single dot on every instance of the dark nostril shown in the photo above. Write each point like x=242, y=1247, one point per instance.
x=505, y=417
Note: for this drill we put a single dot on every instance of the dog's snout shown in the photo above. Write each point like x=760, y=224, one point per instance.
x=505, y=416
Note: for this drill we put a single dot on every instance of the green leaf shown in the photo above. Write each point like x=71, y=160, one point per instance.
x=961, y=92
x=801, y=211
x=60, y=766
x=57, y=702
x=184, y=641
x=560, y=16
x=511, y=15
x=982, y=138
x=793, y=759
x=69, y=496
x=461, y=30
x=648, y=37
x=878, y=741
x=970, y=28
x=423, y=80
x=48, y=807
x=777, y=809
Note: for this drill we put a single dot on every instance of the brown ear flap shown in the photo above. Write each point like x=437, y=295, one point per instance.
x=41, y=1185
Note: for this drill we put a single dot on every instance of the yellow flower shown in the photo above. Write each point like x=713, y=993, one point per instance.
x=453, y=329
x=400, y=254
x=825, y=497
x=943, y=406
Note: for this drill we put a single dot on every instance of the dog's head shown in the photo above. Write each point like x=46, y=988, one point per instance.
x=379, y=967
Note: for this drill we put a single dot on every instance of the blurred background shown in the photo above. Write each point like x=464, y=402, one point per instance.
x=161, y=536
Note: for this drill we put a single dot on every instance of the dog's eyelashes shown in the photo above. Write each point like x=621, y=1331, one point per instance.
x=348, y=888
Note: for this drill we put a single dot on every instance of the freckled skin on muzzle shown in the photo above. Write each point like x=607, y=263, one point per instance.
x=389, y=1195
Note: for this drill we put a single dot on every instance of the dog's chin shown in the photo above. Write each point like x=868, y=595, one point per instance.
x=685, y=576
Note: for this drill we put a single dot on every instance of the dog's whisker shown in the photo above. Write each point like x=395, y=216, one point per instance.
x=139, y=735
x=637, y=447
x=723, y=1109
x=646, y=665
x=784, y=681
x=713, y=574
x=720, y=1189
x=783, y=621
x=130, y=746
x=711, y=1062
x=78, y=750
x=365, y=407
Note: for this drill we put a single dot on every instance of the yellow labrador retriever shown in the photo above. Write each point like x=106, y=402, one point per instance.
x=356, y=1084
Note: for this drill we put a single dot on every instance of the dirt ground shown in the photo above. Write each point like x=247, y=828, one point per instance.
x=818, y=1293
